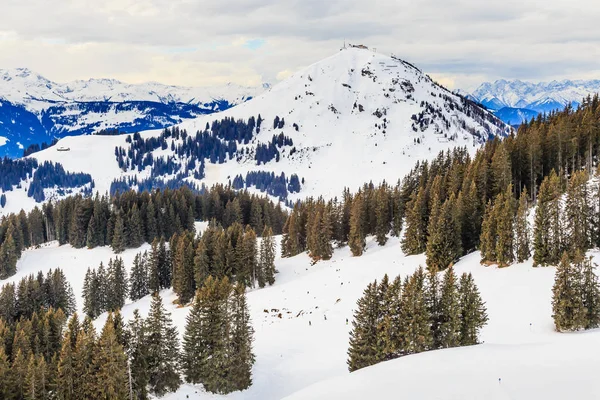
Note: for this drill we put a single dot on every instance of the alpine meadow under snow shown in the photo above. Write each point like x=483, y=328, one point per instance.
x=301, y=335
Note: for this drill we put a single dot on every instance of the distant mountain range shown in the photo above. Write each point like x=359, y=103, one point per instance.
x=517, y=101
x=34, y=109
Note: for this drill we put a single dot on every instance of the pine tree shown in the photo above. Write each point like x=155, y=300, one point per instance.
x=363, y=350
x=90, y=295
x=547, y=243
x=119, y=238
x=267, y=255
x=444, y=244
x=5, y=379
x=110, y=363
x=450, y=311
x=382, y=211
x=138, y=356
x=415, y=318
x=356, y=239
x=240, y=346
x=135, y=229
x=163, y=349
x=139, y=278
x=578, y=213
x=473, y=315
x=184, y=284
x=591, y=295
x=101, y=289
x=488, y=238
x=521, y=237
x=504, y=210
x=67, y=373
x=18, y=375
x=414, y=240
x=501, y=169
x=85, y=383
x=8, y=256
x=568, y=310
x=153, y=268
x=118, y=285
x=92, y=239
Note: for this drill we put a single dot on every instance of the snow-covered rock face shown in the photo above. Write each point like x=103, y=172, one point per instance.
x=532, y=98
x=38, y=110
x=354, y=117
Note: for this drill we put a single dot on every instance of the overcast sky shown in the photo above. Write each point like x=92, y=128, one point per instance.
x=211, y=42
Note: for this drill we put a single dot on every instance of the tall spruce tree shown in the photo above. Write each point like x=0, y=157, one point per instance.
x=568, y=310
x=138, y=356
x=450, y=311
x=139, y=285
x=110, y=364
x=163, y=349
x=521, y=237
x=444, y=244
x=578, y=213
x=267, y=255
x=414, y=240
x=363, y=350
x=119, y=237
x=356, y=239
x=472, y=309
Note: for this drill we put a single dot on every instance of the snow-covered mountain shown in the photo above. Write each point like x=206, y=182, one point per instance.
x=34, y=109
x=345, y=120
x=520, y=100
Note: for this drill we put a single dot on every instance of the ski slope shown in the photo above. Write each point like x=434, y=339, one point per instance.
x=296, y=360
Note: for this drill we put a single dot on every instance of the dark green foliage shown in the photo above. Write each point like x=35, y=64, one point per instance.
x=575, y=294
x=547, y=231
x=522, y=242
x=139, y=285
x=267, y=256
x=472, y=310
x=397, y=319
x=162, y=350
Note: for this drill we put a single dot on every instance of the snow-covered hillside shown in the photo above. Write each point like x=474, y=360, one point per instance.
x=308, y=361
x=353, y=117
x=34, y=109
x=511, y=97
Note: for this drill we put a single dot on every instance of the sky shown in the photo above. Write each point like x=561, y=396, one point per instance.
x=460, y=43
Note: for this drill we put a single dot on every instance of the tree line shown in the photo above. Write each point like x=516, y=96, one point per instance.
x=402, y=317
x=456, y=204
x=129, y=219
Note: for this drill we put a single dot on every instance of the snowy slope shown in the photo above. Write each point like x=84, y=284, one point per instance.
x=359, y=114
x=309, y=362
x=539, y=97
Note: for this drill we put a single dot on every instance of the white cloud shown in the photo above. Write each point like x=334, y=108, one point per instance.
x=206, y=42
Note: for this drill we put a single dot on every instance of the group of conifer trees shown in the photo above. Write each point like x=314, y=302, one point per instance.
x=129, y=219
x=105, y=289
x=456, y=203
x=217, y=344
x=399, y=318
x=44, y=356
x=315, y=224
x=575, y=294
